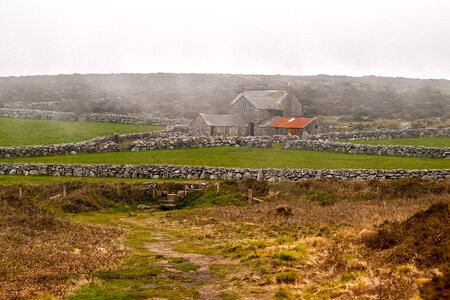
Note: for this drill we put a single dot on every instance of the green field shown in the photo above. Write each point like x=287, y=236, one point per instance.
x=19, y=132
x=247, y=157
x=440, y=142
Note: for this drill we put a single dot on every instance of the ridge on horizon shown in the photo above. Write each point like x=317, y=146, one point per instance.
x=224, y=74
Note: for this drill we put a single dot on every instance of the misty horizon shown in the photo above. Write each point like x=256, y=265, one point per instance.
x=224, y=74
x=290, y=38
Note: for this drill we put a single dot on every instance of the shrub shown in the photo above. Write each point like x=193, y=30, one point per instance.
x=286, y=277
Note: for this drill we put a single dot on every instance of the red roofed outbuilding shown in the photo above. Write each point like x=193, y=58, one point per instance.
x=296, y=126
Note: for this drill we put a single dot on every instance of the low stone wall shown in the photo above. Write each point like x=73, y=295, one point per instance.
x=382, y=134
x=186, y=141
x=38, y=114
x=127, y=119
x=369, y=149
x=199, y=172
x=143, y=141
x=68, y=116
x=102, y=144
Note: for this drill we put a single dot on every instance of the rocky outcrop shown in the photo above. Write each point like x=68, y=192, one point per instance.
x=199, y=172
x=369, y=149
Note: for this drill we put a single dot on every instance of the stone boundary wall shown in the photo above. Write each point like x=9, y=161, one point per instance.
x=369, y=149
x=130, y=119
x=382, y=134
x=143, y=141
x=101, y=144
x=185, y=141
x=174, y=140
x=200, y=172
x=38, y=114
x=69, y=116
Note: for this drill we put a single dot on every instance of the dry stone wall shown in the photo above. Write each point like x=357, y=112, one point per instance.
x=382, y=134
x=369, y=149
x=143, y=141
x=38, y=114
x=186, y=141
x=102, y=144
x=129, y=119
x=69, y=116
x=199, y=172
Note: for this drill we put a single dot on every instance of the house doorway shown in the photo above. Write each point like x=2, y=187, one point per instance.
x=251, y=128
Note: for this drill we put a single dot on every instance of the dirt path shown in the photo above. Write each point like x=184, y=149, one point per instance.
x=201, y=277
x=212, y=277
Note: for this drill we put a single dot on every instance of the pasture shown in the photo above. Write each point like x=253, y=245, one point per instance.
x=20, y=132
x=249, y=157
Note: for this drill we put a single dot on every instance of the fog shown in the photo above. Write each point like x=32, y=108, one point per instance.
x=351, y=37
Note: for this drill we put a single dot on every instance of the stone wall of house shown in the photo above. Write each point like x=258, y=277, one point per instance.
x=291, y=106
x=382, y=134
x=368, y=149
x=249, y=113
x=38, y=114
x=199, y=172
x=199, y=127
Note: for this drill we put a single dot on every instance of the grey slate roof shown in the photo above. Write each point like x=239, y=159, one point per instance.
x=268, y=99
x=223, y=120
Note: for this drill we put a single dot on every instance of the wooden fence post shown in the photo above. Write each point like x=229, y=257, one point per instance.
x=249, y=196
x=64, y=193
x=118, y=189
x=20, y=192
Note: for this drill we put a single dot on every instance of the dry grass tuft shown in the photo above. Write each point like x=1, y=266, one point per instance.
x=42, y=252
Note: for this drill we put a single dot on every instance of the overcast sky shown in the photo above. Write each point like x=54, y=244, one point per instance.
x=408, y=38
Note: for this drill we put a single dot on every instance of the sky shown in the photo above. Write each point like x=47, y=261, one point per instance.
x=399, y=38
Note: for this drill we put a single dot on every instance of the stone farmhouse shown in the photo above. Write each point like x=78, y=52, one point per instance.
x=253, y=112
x=214, y=124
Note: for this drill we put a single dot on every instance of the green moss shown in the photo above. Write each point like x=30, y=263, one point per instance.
x=187, y=267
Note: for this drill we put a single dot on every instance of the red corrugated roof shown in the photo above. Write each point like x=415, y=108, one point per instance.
x=287, y=122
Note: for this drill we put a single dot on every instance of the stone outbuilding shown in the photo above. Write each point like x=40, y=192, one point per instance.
x=302, y=127
x=218, y=125
x=255, y=107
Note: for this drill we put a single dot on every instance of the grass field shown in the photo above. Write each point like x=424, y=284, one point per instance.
x=247, y=157
x=19, y=132
x=440, y=142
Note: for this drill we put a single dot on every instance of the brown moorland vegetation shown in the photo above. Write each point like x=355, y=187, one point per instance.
x=41, y=251
x=310, y=240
